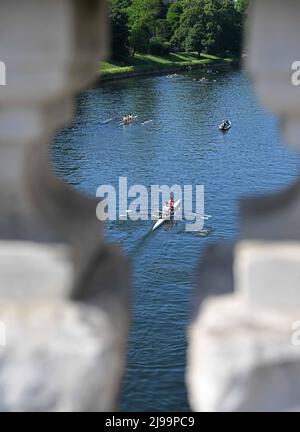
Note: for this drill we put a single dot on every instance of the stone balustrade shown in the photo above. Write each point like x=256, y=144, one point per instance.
x=243, y=352
x=63, y=289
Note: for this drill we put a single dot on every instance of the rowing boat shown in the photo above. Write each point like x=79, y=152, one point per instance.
x=225, y=126
x=160, y=221
x=127, y=122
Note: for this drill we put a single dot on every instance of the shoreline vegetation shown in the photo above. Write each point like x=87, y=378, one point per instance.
x=148, y=64
x=166, y=36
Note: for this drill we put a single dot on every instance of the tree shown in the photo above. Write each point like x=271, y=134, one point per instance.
x=139, y=38
x=174, y=15
x=210, y=26
x=142, y=22
x=241, y=6
x=119, y=28
x=230, y=41
x=190, y=32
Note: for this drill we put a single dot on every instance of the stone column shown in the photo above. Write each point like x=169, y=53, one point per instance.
x=244, y=352
x=63, y=290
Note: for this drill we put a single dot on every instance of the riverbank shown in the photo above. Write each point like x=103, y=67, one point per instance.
x=146, y=64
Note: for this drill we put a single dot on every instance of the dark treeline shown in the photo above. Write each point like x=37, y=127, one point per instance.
x=161, y=26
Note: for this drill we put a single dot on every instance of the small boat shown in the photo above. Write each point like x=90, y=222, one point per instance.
x=225, y=125
x=127, y=122
x=160, y=221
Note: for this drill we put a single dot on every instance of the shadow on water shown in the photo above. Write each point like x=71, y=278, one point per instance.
x=140, y=244
x=177, y=228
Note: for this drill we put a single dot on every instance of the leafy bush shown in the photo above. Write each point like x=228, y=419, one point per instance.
x=167, y=47
x=158, y=46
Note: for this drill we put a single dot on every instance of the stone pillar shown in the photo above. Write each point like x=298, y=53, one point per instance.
x=63, y=290
x=244, y=352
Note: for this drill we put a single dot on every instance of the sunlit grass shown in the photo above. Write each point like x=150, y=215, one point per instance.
x=149, y=62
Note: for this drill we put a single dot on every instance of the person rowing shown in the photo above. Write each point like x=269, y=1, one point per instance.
x=171, y=206
x=128, y=118
x=225, y=125
x=167, y=212
x=167, y=209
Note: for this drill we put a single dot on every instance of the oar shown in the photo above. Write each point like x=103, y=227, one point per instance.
x=109, y=120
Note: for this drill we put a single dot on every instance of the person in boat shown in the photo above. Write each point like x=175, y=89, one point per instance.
x=127, y=118
x=171, y=206
x=224, y=123
x=165, y=210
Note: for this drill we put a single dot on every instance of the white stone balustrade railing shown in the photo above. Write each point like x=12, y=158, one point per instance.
x=63, y=290
x=243, y=352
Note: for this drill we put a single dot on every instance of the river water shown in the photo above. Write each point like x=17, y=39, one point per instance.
x=180, y=145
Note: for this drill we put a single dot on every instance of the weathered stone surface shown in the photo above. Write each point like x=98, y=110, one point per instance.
x=31, y=272
x=60, y=356
x=64, y=291
x=243, y=359
x=272, y=216
x=274, y=29
x=268, y=272
x=244, y=349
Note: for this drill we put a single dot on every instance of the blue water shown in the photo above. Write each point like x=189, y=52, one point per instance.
x=181, y=145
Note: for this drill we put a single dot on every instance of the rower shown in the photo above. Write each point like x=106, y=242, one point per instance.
x=171, y=206
x=165, y=209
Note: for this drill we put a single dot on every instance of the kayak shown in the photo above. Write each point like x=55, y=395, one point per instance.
x=225, y=127
x=160, y=221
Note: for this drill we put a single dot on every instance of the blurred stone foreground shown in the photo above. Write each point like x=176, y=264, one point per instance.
x=244, y=340
x=64, y=291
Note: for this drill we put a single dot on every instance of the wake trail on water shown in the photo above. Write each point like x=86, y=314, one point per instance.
x=140, y=244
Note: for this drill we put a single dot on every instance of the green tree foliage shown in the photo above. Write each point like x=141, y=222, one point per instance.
x=241, y=6
x=174, y=15
x=158, y=46
x=143, y=15
x=190, y=31
x=119, y=28
x=210, y=26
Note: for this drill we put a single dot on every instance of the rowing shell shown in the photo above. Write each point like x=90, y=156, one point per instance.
x=125, y=123
x=162, y=220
